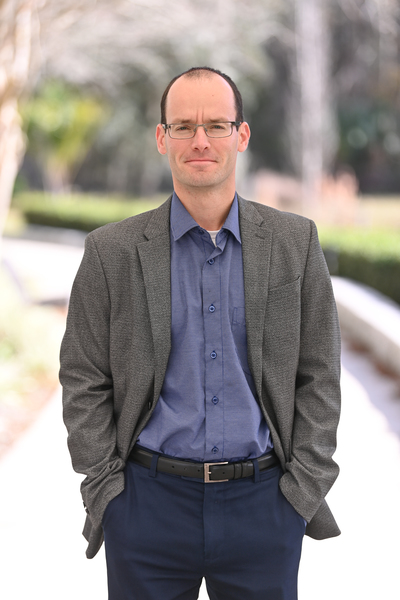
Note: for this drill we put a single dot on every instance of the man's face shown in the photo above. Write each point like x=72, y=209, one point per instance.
x=202, y=162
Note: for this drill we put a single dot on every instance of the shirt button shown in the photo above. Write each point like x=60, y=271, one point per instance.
x=211, y=308
x=215, y=400
x=213, y=354
x=214, y=450
x=211, y=261
x=201, y=231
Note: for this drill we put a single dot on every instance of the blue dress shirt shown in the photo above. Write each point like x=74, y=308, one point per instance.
x=208, y=409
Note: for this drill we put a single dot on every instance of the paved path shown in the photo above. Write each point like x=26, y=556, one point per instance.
x=43, y=271
x=41, y=515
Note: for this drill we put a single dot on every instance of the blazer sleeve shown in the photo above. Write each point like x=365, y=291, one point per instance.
x=310, y=470
x=86, y=378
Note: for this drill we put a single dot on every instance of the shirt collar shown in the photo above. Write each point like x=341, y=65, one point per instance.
x=182, y=221
x=232, y=220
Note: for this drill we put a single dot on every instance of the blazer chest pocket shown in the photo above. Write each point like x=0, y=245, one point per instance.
x=283, y=318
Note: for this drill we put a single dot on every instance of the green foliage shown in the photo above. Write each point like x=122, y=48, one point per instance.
x=369, y=132
x=370, y=256
x=29, y=343
x=369, y=242
x=60, y=123
x=83, y=212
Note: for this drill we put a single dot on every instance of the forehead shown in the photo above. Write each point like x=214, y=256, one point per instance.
x=208, y=97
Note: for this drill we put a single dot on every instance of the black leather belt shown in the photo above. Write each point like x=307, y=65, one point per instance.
x=207, y=472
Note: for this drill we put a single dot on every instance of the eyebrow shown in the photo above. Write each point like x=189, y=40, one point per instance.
x=222, y=120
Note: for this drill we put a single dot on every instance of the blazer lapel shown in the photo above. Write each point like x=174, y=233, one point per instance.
x=155, y=258
x=256, y=247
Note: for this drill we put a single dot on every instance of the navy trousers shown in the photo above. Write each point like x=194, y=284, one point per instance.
x=164, y=533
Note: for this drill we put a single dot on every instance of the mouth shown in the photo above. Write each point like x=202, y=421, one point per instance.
x=200, y=161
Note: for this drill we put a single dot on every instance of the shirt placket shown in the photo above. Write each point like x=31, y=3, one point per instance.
x=214, y=359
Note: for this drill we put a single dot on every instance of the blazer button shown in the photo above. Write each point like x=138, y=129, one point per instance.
x=150, y=404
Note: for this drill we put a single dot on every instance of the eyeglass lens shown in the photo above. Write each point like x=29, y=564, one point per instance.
x=188, y=130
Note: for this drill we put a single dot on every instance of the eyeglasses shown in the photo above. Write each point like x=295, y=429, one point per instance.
x=184, y=131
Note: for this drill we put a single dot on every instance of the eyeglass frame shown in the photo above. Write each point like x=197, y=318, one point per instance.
x=167, y=126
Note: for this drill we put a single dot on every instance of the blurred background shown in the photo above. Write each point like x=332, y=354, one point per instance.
x=80, y=85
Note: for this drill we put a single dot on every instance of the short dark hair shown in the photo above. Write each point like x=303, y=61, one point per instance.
x=198, y=72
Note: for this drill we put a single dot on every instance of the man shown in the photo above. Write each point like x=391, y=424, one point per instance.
x=203, y=332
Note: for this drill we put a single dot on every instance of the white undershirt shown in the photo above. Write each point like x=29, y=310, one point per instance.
x=213, y=235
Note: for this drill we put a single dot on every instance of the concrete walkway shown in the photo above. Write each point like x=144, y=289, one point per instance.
x=41, y=514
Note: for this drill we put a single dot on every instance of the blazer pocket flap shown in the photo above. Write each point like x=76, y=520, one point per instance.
x=287, y=289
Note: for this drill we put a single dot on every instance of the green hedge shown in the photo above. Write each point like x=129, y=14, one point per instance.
x=369, y=256
x=84, y=212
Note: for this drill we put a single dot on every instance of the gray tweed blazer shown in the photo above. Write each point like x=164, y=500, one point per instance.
x=117, y=342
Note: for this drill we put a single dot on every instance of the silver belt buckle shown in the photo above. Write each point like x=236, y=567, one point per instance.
x=207, y=473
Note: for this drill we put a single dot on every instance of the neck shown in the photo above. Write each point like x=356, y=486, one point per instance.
x=208, y=208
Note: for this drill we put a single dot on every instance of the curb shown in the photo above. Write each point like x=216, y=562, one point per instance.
x=371, y=320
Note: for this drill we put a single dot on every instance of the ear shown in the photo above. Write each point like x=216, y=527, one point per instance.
x=160, y=137
x=244, y=136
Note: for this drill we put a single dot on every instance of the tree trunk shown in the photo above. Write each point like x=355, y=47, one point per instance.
x=317, y=141
x=15, y=50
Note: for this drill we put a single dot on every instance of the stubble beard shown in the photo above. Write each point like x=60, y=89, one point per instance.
x=201, y=179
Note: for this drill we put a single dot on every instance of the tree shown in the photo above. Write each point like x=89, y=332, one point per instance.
x=155, y=41
x=366, y=77
x=16, y=25
x=314, y=110
x=106, y=45
x=60, y=123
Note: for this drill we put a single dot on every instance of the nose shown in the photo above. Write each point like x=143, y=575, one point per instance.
x=200, y=139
